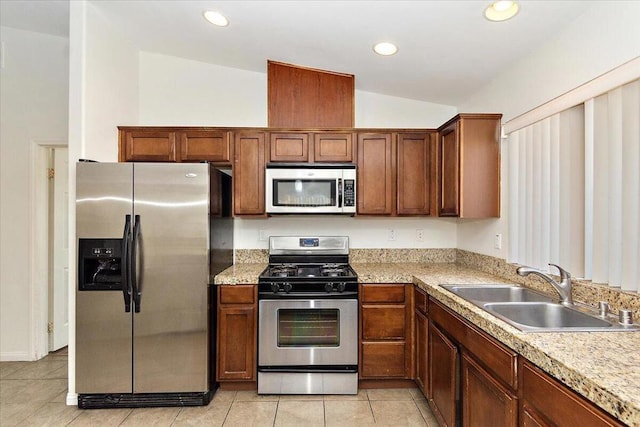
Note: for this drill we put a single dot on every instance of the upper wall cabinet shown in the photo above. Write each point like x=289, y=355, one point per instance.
x=300, y=97
x=469, y=166
x=416, y=171
x=397, y=173
x=147, y=145
x=289, y=147
x=315, y=147
x=250, y=150
x=139, y=144
x=376, y=192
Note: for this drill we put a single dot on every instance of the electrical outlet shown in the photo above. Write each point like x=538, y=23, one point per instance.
x=420, y=235
x=262, y=235
x=497, y=241
x=391, y=235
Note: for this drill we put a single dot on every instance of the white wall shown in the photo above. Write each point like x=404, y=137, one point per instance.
x=602, y=38
x=176, y=91
x=103, y=93
x=363, y=232
x=33, y=109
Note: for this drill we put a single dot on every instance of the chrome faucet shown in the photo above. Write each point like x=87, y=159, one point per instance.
x=563, y=288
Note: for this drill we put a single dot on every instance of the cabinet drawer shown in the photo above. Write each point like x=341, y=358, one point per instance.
x=421, y=300
x=383, y=359
x=495, y=357
x=237, y=294
x=382, y=293
x=559, y=404
x=383, y=322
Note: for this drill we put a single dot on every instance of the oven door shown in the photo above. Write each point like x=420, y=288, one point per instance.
x=307, y=333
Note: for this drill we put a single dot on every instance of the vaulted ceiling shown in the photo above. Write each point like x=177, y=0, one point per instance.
x=447, y=49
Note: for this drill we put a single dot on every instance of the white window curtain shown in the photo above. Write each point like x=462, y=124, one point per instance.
x=546, y=193
x=574, y=190
x=615, y=224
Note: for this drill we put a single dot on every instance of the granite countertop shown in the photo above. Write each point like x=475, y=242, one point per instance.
x=602, y=366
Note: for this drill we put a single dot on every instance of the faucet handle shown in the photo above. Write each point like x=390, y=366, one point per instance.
x=564, y=274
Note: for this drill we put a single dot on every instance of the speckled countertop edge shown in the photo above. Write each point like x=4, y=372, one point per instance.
x=602, y=366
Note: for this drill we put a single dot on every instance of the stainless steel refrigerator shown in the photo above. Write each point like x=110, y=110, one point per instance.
x=145, y=314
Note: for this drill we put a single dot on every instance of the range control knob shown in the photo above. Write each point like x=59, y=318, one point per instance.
x=341, y=286
x=287, y=287
x=274, y=287
x=328, y=287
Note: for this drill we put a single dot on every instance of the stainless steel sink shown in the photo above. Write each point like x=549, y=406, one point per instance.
x=531, y=311
x=497, y=293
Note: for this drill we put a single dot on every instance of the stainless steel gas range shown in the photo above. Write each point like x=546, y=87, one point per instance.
x=308, y=318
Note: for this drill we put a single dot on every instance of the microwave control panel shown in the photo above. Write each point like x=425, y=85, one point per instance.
x=349, y=193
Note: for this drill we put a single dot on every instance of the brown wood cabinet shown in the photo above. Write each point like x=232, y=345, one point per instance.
x=485, y=401
x=547, y=402
x=289, y=147
x=421, y=341
x=237, y=328
x=334, y=147
x=416, y=185
x=157, y=144
x=376, y=173
x=443, y=362
x=301, y=97
x=147, y=145
x=461, y=357
x=250, y=150
x=205, y=145
x=469, y=166
x=385, y=331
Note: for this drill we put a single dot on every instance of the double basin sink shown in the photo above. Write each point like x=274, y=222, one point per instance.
x=531, y=311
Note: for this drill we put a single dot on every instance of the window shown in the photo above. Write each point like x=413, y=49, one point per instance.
x=574, y=190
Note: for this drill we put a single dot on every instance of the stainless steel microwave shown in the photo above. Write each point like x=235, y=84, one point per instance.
x=310, y=188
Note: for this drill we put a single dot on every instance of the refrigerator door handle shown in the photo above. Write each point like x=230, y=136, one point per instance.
x=137, y=292
x=126, y=289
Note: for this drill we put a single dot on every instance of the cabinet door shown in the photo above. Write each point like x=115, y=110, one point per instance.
x=485, y=402
x=248, y=173
x=208, y=145
x=416, y=174
x=375, y=174
x=289, y=147
x=443, y=363
x=147, y=145
x=422, y=353
x=449, y=171
x=236, y=343
x=333, y=147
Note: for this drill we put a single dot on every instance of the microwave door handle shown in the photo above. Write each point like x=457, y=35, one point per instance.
x=339, y=192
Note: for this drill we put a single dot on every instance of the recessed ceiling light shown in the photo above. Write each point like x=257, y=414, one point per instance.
x=501, y=10
x=216, y=18
x=385, y=48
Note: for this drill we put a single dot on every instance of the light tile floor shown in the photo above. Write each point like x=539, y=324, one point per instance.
x=34, y=394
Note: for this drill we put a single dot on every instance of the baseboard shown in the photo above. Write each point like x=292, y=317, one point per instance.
x=72, y=399
x=15, y=356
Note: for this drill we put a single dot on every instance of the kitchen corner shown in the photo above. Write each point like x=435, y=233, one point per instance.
x=601, y=366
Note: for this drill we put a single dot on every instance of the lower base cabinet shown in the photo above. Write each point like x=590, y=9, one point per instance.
x=485, y=401
x=547, y=402
x=443, y=372
x=476, y=381
x=237, y=333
